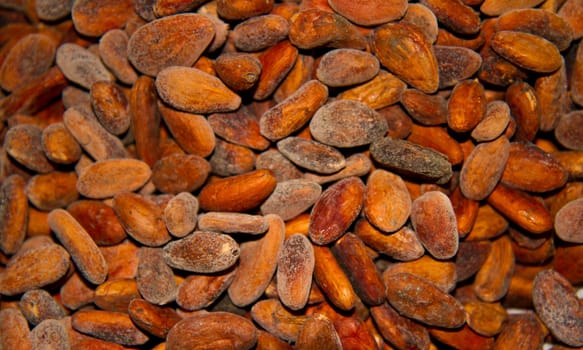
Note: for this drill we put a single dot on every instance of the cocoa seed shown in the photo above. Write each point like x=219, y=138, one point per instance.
x=203, y=252
x=341, y=174
x=295, y=266
x=35, y=268
x=416, y=298
x=555, y=303
x=347, y=124
x=434, y=221
x=345, y=67
x=407, y=158
x=155, y=279
x=312, y=155
x=415, y=62
x=335, y=210
x=148, y=47
x=13, y=212
x=80, y=246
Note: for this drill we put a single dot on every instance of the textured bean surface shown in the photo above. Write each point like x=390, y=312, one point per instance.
x=347, y=124
x=205, y=252
x=295, y=266
x=557, y=306
x=418, y=299
x=312, y=155
x=186, y=36
x=335, y=210
x=83, y=250
x=434, y=221
x=306, y=174
x=411, y=159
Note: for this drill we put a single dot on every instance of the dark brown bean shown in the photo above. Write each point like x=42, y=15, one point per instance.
x=407, y=158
